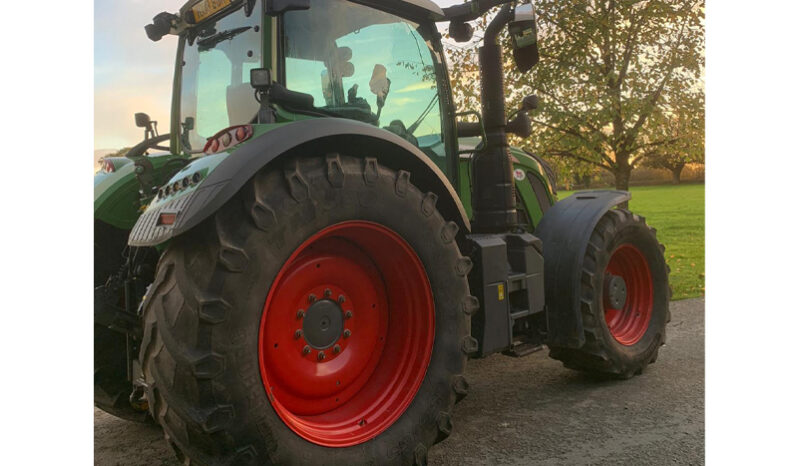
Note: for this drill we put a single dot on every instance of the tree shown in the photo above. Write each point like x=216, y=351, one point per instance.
x=606, y=67
x=120, y=153
x=683, y=123
x=572, y=174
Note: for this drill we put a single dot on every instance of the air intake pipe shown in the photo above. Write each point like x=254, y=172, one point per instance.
x=493, y=196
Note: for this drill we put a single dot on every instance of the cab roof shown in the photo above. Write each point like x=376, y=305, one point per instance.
x=413, y=9
x=427, y=8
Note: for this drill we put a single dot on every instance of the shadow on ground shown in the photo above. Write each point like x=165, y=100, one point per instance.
x=534, y=411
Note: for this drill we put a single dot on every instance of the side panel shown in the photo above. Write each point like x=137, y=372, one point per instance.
x=533, y=186
x=565, y=231
x=310, y=137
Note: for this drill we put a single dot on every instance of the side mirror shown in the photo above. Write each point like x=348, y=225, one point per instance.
x=521, y=124
x=524, y=35
x=142, y=120
x=150, y=127
x=529, y=103
x=460, y=31
x=161, y=26
x=278, y=7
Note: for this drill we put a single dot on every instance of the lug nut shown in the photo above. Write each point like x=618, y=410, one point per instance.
x=306, y=349
x=322, y=356
x=348, y=314
x=347, y=333
x=312, y=298
x=337, y=349
x=298, y=333
x=327, y=293
x=341, y=299
x=300, y=314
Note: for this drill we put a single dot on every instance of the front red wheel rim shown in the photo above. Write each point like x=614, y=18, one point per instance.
x=629, y=322
x=346, y=334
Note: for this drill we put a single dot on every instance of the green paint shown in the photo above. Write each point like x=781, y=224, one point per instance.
x=529, y=201
x=116, y=197
x=527, y=164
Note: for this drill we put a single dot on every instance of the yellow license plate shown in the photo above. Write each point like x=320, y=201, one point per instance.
x=207, y=8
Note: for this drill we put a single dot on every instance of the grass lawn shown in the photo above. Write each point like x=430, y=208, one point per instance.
x=677, y=212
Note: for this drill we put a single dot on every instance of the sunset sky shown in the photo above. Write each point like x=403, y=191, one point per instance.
x=131, y=73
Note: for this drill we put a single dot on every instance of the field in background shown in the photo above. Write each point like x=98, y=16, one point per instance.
x=677, y=212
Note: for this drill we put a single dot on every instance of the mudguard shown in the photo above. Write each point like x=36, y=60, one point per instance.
x=310, y=137
x=565, y=231
x=116, y=194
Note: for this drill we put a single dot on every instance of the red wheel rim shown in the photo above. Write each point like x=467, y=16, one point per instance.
x=629, y=323
x=370, y=373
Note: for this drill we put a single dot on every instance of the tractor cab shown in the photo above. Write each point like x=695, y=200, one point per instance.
x=369, y=65
x=345, y=59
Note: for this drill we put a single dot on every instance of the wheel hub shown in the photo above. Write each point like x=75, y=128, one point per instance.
x=323, y=324
x=346, y=334
x=615, y=288
x=628, y=295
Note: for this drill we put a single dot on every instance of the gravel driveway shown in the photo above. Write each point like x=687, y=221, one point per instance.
x=534, y=411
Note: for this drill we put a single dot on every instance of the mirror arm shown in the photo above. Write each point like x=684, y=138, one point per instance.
x=467, y=129
x=498, y=23
x=472, y=10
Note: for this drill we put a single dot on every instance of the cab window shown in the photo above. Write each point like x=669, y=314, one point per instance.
x=367, y=65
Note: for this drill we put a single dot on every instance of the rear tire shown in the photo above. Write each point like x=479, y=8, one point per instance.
x=203, y=348
x=621, y=339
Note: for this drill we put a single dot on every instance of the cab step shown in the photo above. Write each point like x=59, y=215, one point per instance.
x=523, y=349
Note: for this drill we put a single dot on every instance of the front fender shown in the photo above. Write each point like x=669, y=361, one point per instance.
x=116, y=196
x=313, y=136
x=565, y=231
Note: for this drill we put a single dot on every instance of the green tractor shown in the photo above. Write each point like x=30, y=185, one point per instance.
x=299, y=270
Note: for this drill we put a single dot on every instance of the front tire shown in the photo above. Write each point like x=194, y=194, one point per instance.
x=235, y=372
x=624, y=299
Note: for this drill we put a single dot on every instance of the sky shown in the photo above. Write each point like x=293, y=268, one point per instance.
x=131, y=73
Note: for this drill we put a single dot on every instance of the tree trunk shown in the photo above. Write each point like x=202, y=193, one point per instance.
x=677, y=174
x=622, y=175
x=583, y=181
